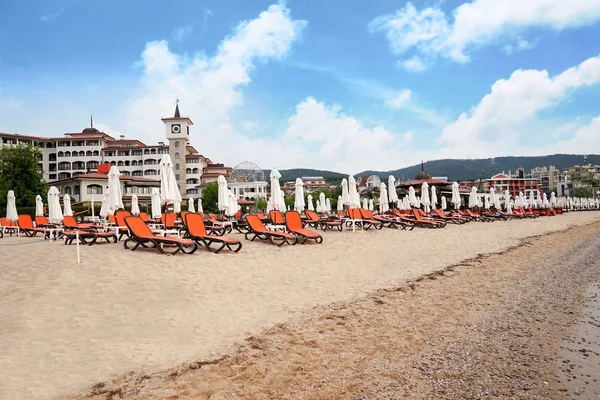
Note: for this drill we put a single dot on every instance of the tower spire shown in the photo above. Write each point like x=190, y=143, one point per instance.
x=91, y=121
x=177, y=115
x=422, y=166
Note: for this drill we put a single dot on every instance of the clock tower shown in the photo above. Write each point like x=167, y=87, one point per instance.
x=178, y=134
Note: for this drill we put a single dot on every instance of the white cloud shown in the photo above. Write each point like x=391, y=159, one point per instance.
x=413, y=64
x=496, y=124
x=181, y=32
x=430, y=32
x=520, y=45
x=584, y=140
x=408, y=136
x=399, y=100
x=51, y=15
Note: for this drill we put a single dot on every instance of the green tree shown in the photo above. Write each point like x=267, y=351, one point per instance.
x=582, y=192
x=210, y=197
x=261, y=203
x=19, y=172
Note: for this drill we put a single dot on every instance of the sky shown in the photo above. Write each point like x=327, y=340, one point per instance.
x=342, y=85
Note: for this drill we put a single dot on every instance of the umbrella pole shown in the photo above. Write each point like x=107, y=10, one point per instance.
x=77, y=245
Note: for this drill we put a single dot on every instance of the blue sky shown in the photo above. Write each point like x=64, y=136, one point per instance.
x=343, y=85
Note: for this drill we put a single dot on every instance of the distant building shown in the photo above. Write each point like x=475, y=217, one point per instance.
x=514, y=183
x=248, y=182
x=311, y=184
x=547, y=176
x=365, y=183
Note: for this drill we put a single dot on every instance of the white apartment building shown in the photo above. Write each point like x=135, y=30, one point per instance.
x=78, y=155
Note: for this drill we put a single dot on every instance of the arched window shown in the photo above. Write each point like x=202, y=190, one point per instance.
x=134, y=163
x=76, y=190
x=177, y=156
x=82, y=153
x=67, y=154
x=61, y=154
x=120, y=163
x=125, y=173
x=188, y=170
x=113, y=163
x=89, y=153
x=146, y=151
x=127, y=163
x=96, y=153
x=196, y=170
x=177, y=167
x=177, y=177
x=68, y=190
x=94, y=189
x=92, y=164
x=176, y=143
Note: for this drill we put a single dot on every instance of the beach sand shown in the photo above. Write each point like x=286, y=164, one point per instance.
x=65, y=326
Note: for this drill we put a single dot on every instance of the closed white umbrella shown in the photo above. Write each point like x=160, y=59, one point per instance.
x=282, y=195
x=169, y=191
x=444, y=204
x=425, y=196
x=506, y=198
x=310, y=206
x=553, y=199
x=176, y=207
x=55, y=215
x=299, y=203
x=104, y=209
x=39, y=206
x=545, y=202
x=340, y=203
x=531, y=199
x=191, y=207
x=486, y=201
x=365, y=203
x=455, y=200
x=322, y=203
x=318, y=207
x=233, y=205
x=412, y=198
x=371, y=205
x=473, y=198
x=328, y=205
x=276, y=195
x=353, y=198
x=392, y=194
x=345, y=193
x=434, y=198
x=509, y=207
x=406, y=203
x=200, y=210
x=11, y=207
x=222, y=193
x=155, y=202
x=493, y=197
x=115, y=195
x=135, y=207
x=384, y=203
x=68, y=212
x=539, y=201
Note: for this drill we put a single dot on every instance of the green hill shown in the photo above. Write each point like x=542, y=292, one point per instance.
x=292, y=174
x=457, y=170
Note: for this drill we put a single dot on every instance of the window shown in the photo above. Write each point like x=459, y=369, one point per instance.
x=192, y=191
x=63, y=166
x=52, y=176
x=137, y=173
x=134, y=163
x=64, y=175
x=177, y=156
x=195, y=170
x=92, y=164
x=120, y=163
x=176, y=143
x=177, y=177
x=125, y=173
x=68, y=153
x=113, y=163
x=68, y=190
x=93, y=143
x=150, y=172
x=61, y=154
x=177, y=167
x=96, y=153
x=88, y=153
x=52, y=157
x=188, y=170
x=127, y=163
x=94, y=189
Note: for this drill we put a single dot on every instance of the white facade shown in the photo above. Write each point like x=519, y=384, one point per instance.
x=248, y=190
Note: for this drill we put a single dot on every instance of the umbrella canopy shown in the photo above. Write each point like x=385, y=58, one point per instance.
x=493, y=197
x=406, y=203
x=345, y=193
x=353, y=198
x=384, y=202
x=200, y=210
x=155, y=201
x=318, y=206
x=233, y=205
x=425, y=196
x=223, y=193
x=191, y=207
x=11, y=207
x=104, y=209
x=67, y=206
x=276, y=195
x=340, y=204
x=177, y=207
x=39, y=206
x=328, y=205
x=553, y=199
x=392, y=194
x=509, y=207
x=365, y=203
x=531, y=199
x=545, y=202
x=283, y=200
x=539, y=201
x=506, y=199
x=473, y=198
x=115, y=195
x=486, y=201
x=322, y=204
x=135, y=207
x=455, y=195
x=412, y=199
x=444, y=204
x=434, y=198
x=371, y=205
x=54, y=212
x=169, y=192
x=310, y=205
x=299, y=195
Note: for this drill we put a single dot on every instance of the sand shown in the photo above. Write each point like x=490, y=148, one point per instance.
x=65, y=326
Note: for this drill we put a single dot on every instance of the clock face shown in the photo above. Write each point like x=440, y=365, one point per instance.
x=175, y=128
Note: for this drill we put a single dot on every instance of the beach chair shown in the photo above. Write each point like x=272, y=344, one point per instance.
x=87, y=236
x=313, y=221
x=389, y=221
x=122, y=228
x=455, y=220
x=293, y=223
x=427, y=222
x=217, y=226
x=256, y=230
x=196, y=230
x=25, y=224
x=112, y=220
x=70, y=223
x=479, y=217
x=9, y=227
x=141, y=235
x=144, y=217
x=42, y=222
x=276, y=217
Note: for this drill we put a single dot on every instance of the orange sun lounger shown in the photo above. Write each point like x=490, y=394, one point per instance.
x=194, y=224
x=141, y=235
x=256, y=230
x=293, y=223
